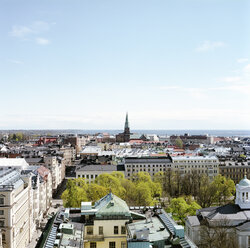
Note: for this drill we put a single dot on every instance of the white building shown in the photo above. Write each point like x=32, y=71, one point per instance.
x=234, y=216
x=91, y=172
x=56, y=170
x=202, y=165
x=15, y=212
x=13, y=163
x=152, y=165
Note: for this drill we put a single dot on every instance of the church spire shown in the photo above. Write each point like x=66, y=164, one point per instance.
x=126, y=122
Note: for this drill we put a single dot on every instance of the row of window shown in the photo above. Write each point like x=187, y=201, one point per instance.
x=88, y=176
x=112, y=244
x=149, y=165
x=195, y=161
x=90, y=230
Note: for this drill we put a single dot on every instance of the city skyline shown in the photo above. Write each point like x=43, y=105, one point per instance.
x=169, y=64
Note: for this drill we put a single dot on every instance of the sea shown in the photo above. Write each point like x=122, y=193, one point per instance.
x=224, y=133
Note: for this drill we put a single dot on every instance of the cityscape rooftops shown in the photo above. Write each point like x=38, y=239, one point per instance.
x=10, y=179
x=19, y=163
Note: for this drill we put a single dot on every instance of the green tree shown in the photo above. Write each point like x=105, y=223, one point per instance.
x=225, y=188
x=143, y=194
x=180, y=208
x=179, y=142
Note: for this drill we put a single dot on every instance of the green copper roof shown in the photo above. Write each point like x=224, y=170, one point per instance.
x=126, y=122
x=111, y=205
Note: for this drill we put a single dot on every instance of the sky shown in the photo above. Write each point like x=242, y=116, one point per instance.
x=82, y=64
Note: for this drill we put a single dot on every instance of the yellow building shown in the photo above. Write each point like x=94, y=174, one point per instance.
x=106, y=222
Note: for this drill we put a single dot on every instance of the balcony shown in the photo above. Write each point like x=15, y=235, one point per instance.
x=91, y=237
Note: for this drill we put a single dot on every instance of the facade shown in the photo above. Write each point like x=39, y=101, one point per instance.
x=106, y=222
x=15, y=209
x=152, y=165
x=202, y=165
x=235, y=170
x=57, y=171
x=14, y=163
x=91, y=172
x=232, y=217
x=183, y=164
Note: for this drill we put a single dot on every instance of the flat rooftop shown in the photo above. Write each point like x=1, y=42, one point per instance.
x=157, y=229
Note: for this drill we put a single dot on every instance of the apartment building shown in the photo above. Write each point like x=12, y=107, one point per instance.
x=183, y=164
x=152, y=165
x=13, y=163
x=105, y=223
x=91, y=172
x=57, y=171
x=201, y=164
x=15, y=212
x=235, y=170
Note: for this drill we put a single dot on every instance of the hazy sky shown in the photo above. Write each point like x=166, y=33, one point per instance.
x=82, y=64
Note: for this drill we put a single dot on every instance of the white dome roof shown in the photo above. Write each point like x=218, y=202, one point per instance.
x=244, y=182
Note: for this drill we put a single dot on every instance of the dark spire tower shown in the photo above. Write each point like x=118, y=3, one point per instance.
x=126, y=129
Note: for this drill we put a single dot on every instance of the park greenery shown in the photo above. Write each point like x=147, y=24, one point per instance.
x=141, y=190
x=179, y=194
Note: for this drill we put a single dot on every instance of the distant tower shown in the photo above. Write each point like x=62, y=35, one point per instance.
x=126, y=130
x=243, y=194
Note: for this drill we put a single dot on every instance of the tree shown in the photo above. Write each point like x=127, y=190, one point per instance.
x=143, y=194
x=96, y=192
x=225, y=188
x=181, y=208
x=220, y=235
x=111, y=182
x=179, y=143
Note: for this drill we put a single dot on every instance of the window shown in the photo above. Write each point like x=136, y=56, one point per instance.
x=1, y=212
x=123, y=244
x=89, y=230
x=1, y=201
x=116, y=230
x=92, y=244
x=123, y=230
x=3, y=237
x=100, y=230
x=248, y=241
x=1, y=223
x=111, y=244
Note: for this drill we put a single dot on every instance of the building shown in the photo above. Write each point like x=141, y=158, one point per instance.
x=106, y=222
x=125, y=136
x=152, y=165
x=91, y=172
x=110, y=223
x=234, y=217
x=57, y=171
x=16, y=221
x=235, y=170
x=201, y=164
x=13, y=163
x=158, y=230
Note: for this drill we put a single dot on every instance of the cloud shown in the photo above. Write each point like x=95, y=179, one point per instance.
x=42, y=41
x=32, y=31
x=242, y=60
x=246, y=69
x=210, y=46
x=20, y=31
x=18, y=62
x=197, y=93
x=231, y=79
